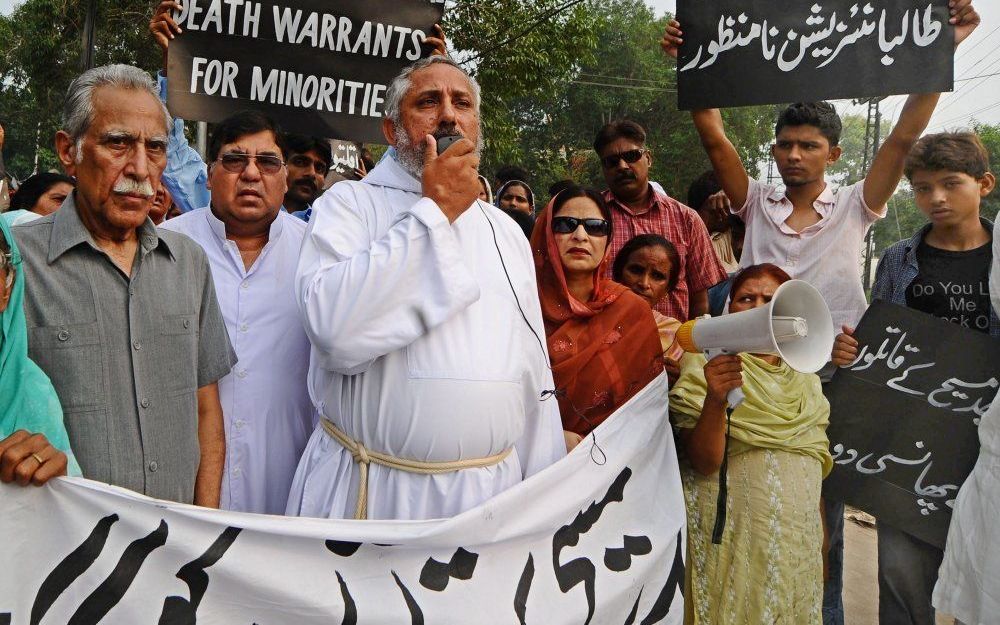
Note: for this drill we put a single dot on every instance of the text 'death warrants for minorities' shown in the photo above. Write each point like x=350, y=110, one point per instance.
x=746, y=52
x=317, y=67
x=905, y=415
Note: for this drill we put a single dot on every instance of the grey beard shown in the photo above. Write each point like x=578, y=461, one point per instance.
x=411, y=157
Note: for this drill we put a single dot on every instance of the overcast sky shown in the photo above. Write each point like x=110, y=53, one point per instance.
x=975, y=58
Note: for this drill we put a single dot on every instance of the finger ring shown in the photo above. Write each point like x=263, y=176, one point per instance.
x=38, y=458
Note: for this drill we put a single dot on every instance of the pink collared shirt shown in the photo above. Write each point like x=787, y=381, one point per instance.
x=700, y=267
x=826, y=254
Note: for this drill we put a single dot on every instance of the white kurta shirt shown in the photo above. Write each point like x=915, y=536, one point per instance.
x=419, y=350
x=968, y=585
x=265, y=400
x=826, y=254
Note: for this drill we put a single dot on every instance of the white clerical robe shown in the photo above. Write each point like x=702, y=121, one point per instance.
x=968, y=586
x=419, y=351
x=265, y=403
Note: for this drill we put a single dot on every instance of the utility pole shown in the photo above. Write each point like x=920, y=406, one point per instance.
x=89, y=27
x=201, y=139
x=772, y=174
x=873, y=136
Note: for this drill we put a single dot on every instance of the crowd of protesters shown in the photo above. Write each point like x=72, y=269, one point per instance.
x=235, y=331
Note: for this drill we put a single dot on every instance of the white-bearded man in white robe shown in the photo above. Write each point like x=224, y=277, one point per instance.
x=429, y=380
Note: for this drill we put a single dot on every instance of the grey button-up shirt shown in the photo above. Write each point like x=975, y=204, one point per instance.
x=126, y=355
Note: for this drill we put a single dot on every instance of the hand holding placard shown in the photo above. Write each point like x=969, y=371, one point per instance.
x=845, y=348
x=163, y=28
x=672, y=39
x=964, y=18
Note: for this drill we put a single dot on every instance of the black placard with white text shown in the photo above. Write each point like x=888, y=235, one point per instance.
x=746, y=52
x=317, y=67
x=904, y=417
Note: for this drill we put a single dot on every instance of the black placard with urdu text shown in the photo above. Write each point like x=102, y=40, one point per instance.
x=904, y=417
x=745, y=52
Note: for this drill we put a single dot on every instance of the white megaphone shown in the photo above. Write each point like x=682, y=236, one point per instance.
x=795, y=326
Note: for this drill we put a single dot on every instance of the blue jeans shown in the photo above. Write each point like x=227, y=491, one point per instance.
x=907, y=571
x=833, y=588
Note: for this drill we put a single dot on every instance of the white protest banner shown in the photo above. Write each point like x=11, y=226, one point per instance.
x=595, y=538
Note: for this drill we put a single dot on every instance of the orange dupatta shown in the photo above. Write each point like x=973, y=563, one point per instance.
x=603, y=351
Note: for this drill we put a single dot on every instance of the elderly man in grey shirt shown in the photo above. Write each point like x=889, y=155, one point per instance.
x=123, y=318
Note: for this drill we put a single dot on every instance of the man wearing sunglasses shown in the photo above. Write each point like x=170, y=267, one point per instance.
x=253, y=248
x=308, y=164
x=186, y=175
x=640, y=207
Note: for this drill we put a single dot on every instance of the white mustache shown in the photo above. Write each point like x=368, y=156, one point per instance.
x=128, y=186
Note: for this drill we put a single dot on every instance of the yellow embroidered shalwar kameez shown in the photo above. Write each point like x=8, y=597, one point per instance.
x=769, y=567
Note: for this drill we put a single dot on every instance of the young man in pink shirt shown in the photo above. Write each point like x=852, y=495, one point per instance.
x=810, y=230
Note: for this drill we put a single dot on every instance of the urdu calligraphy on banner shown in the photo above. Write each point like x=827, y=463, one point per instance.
x=760, y=52
x=580, y=542
x=905, y=415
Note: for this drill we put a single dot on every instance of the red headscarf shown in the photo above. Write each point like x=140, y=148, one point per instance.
x=603, y=351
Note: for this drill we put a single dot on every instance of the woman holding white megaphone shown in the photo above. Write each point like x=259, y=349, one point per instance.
x=764, y=558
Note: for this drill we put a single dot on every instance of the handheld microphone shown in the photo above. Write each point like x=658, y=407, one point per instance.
x=443, y=143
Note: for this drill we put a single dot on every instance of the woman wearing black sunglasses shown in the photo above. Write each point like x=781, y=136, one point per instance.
x=602, y=341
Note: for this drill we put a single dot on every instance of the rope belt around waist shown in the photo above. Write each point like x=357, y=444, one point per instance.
x=364, y=457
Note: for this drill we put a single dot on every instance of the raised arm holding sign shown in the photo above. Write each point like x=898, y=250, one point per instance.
x=835, y=222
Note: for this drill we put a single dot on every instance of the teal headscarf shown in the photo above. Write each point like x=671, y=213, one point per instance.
x=27, y=399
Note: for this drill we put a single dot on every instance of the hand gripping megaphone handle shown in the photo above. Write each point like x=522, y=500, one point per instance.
x=735, y=396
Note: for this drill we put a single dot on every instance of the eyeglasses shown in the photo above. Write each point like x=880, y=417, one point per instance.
x=235, y=162
x=611, y=160
x=301, y=160
x=593, y=227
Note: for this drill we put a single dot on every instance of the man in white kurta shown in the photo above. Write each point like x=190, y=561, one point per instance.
x=419, y=350
x=253, y=251
x=968, y=584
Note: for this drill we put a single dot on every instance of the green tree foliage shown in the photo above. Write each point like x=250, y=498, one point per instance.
x=850, y=168
x=41, y=43
x=990, y=135
x=518, y=50
x=904, y=218
x=550, y=124
x=552, y=71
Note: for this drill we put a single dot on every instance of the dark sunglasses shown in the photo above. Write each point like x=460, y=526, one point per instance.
x=593, y=227
x=235, y=162
x=301, y=160
x=631, y=156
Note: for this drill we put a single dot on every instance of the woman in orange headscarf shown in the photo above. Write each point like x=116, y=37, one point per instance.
x=602, y=340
